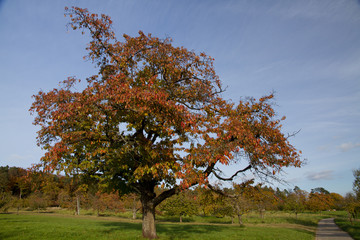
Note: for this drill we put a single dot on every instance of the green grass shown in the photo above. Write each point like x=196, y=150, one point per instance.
x=54, y=226
x=42, y=226
x=352, y=229
x=253, y=218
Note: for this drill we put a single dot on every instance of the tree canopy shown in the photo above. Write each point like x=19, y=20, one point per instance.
x=154, y=114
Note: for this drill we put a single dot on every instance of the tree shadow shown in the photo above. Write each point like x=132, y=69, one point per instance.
x=303, y=222
x=186, y=231
x=174, y=219
x=167, y=231
x=118, y=226
x=221, y=222
x=304, y=231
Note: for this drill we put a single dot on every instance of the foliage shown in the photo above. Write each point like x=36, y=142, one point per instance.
x=153, y=115
x=209, y=202
x=296, y=201
x=352, y=206
x=5, y=201
x=101, y=202
x=60, y=191
x=319, y=201
x=12, y=179
x=131, y=201
x=181, y=204
x=36, y=201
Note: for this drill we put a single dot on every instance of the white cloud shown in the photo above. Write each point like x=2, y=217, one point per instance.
x=348, y=146
x=323, y=175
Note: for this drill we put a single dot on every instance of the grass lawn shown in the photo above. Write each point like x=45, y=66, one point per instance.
x=55, y=226
x=352, y=229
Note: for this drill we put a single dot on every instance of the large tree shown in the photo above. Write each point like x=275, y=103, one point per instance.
x=153, y=115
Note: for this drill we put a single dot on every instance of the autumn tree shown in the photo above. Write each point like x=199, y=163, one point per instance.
x=131, y=201
x=319, y=200
x=337, y=201
x=179, y=205
x=263, y=198
x=243, y=199
x=352, y=200
x=352, y=206
x=153, y=115
x=106, y=201
x=296, y=201
x=208, y=201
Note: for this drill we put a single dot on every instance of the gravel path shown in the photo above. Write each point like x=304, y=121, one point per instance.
x=328, y=230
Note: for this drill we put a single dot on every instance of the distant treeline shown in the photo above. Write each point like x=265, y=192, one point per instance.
x=29, y=189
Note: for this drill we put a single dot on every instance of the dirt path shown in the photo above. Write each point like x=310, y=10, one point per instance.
x=328, y=230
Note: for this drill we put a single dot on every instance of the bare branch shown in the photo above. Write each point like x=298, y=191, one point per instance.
x=293, y=134
x=233, y=176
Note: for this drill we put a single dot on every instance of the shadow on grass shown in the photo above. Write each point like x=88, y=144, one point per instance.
x=168, y=231
x=303, y=222
x=171, y=219
x=119, y=226
x=186, y=231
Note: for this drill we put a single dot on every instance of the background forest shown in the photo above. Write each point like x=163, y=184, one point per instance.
x=24, y=189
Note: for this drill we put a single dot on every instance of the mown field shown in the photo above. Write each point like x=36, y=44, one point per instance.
x=53, y=225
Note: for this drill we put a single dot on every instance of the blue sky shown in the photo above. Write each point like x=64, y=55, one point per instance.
x=307, y=52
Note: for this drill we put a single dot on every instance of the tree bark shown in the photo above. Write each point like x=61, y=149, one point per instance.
x=240, y=220
x=77, y=205
x=148, y=221
x=147, y=198
x=149, y=201
x=134, y=210
x=262, y=213
x=134, y=213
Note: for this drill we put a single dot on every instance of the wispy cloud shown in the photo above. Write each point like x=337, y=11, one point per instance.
x=332, y=11
x=348, y=146
x=323, y=175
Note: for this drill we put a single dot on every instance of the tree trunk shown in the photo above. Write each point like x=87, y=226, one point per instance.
x=262, y=214
x=180, y=218
x=134, y=210
x=149, y=201
x=134, y=213
x=147, y=197
x=148, y=221
x=77, y=205
x=240, y=220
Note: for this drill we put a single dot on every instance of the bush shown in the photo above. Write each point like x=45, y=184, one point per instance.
x=36, y=201
x=5, y=201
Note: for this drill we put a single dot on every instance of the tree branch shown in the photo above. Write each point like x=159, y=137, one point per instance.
x=220, y=192
x=232, y=177
x=166, y=194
